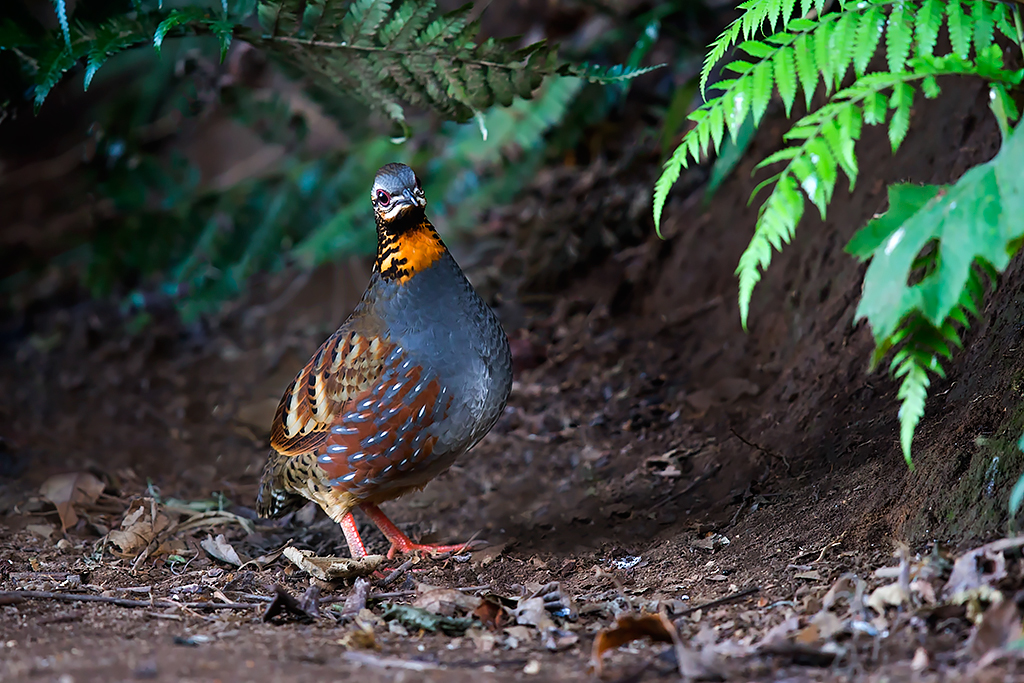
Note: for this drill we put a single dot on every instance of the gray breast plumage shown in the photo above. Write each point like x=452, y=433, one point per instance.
x=445, y=327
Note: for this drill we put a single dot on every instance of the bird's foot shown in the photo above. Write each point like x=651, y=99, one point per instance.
x=404, y=545
x=400, y=543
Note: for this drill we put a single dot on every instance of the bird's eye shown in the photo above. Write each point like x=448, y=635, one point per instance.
x=383, y=198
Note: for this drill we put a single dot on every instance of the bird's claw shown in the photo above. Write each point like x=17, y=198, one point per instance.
x=434, y=548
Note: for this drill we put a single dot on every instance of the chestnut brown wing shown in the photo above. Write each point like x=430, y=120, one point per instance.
x=384, y=443
x=345, y=366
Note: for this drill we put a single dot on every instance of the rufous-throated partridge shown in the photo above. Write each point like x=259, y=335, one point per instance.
x=415, y=377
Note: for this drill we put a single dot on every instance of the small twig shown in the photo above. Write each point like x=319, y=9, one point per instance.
x=396, y=574
x=694, y=484
x=161, y=615
x=732, y=597
x=461, y=549
x=13, y=597
x=766, y=451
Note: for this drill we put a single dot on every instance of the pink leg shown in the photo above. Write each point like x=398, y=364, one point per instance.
x=355, y=544
x=400, y=541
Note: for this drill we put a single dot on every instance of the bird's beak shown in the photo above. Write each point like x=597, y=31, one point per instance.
x=412, y=199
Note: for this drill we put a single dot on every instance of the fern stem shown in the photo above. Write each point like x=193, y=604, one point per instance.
x=1017, y=24
x=371, y=48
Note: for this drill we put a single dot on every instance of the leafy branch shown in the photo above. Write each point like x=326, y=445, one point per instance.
x=383, y=52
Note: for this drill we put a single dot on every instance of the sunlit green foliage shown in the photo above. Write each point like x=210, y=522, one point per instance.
x=812, y=50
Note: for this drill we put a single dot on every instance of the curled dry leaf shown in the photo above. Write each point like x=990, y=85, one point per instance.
x=220, y=549
x=285, y=605
x=779, y=633
x=491, y=613
x=360, y=637
x=982, y=566
x=139, y=528
x=356, y=600
x=630, y=627
x=531, y=612
x=444, y=601
x=849, y=587
x=66, y=491
x=330, y=568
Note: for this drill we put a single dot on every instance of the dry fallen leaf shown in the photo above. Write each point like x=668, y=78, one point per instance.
x=330, y=568
x=42, y=530
x=220, y=549
x=66, y=491
x=533, y=613
x=982, y=566
x=488, y=555
x=517, y=635
x=630, y=627
x=360, y=637
x=138, y=528
x=491, y=613
x=892, y=595
x=921, y=660
x=444, y=601
x=824, y=625
x=484, y=641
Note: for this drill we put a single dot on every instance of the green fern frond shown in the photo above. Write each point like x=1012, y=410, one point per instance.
x=386, y=53
x=912, y=395
x=401, y=30
x=362, y=21
x=605, y=75
x=929, y=23
x=60, y=6
x=961, y=29
x=795, y=58
x=983, y=16
x=900, y=102
x=718, y=50
x=869, y=32
x=899, y=34
x=920, y=322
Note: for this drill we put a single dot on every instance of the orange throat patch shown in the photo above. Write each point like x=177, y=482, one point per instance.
x=401, y=255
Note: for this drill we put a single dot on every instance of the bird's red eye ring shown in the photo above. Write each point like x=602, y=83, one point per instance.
x=383, y=198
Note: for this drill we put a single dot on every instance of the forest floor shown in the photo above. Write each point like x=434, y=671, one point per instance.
x=654, y=457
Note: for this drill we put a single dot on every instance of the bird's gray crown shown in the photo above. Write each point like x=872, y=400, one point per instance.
x=393, y=178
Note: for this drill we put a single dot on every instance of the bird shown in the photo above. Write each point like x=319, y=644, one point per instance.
x=415, y=376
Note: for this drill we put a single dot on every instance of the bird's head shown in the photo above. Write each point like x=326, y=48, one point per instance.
x=406, y=241
x=396, y=194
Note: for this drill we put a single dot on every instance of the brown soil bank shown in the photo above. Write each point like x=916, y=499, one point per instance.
x=820, y=414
